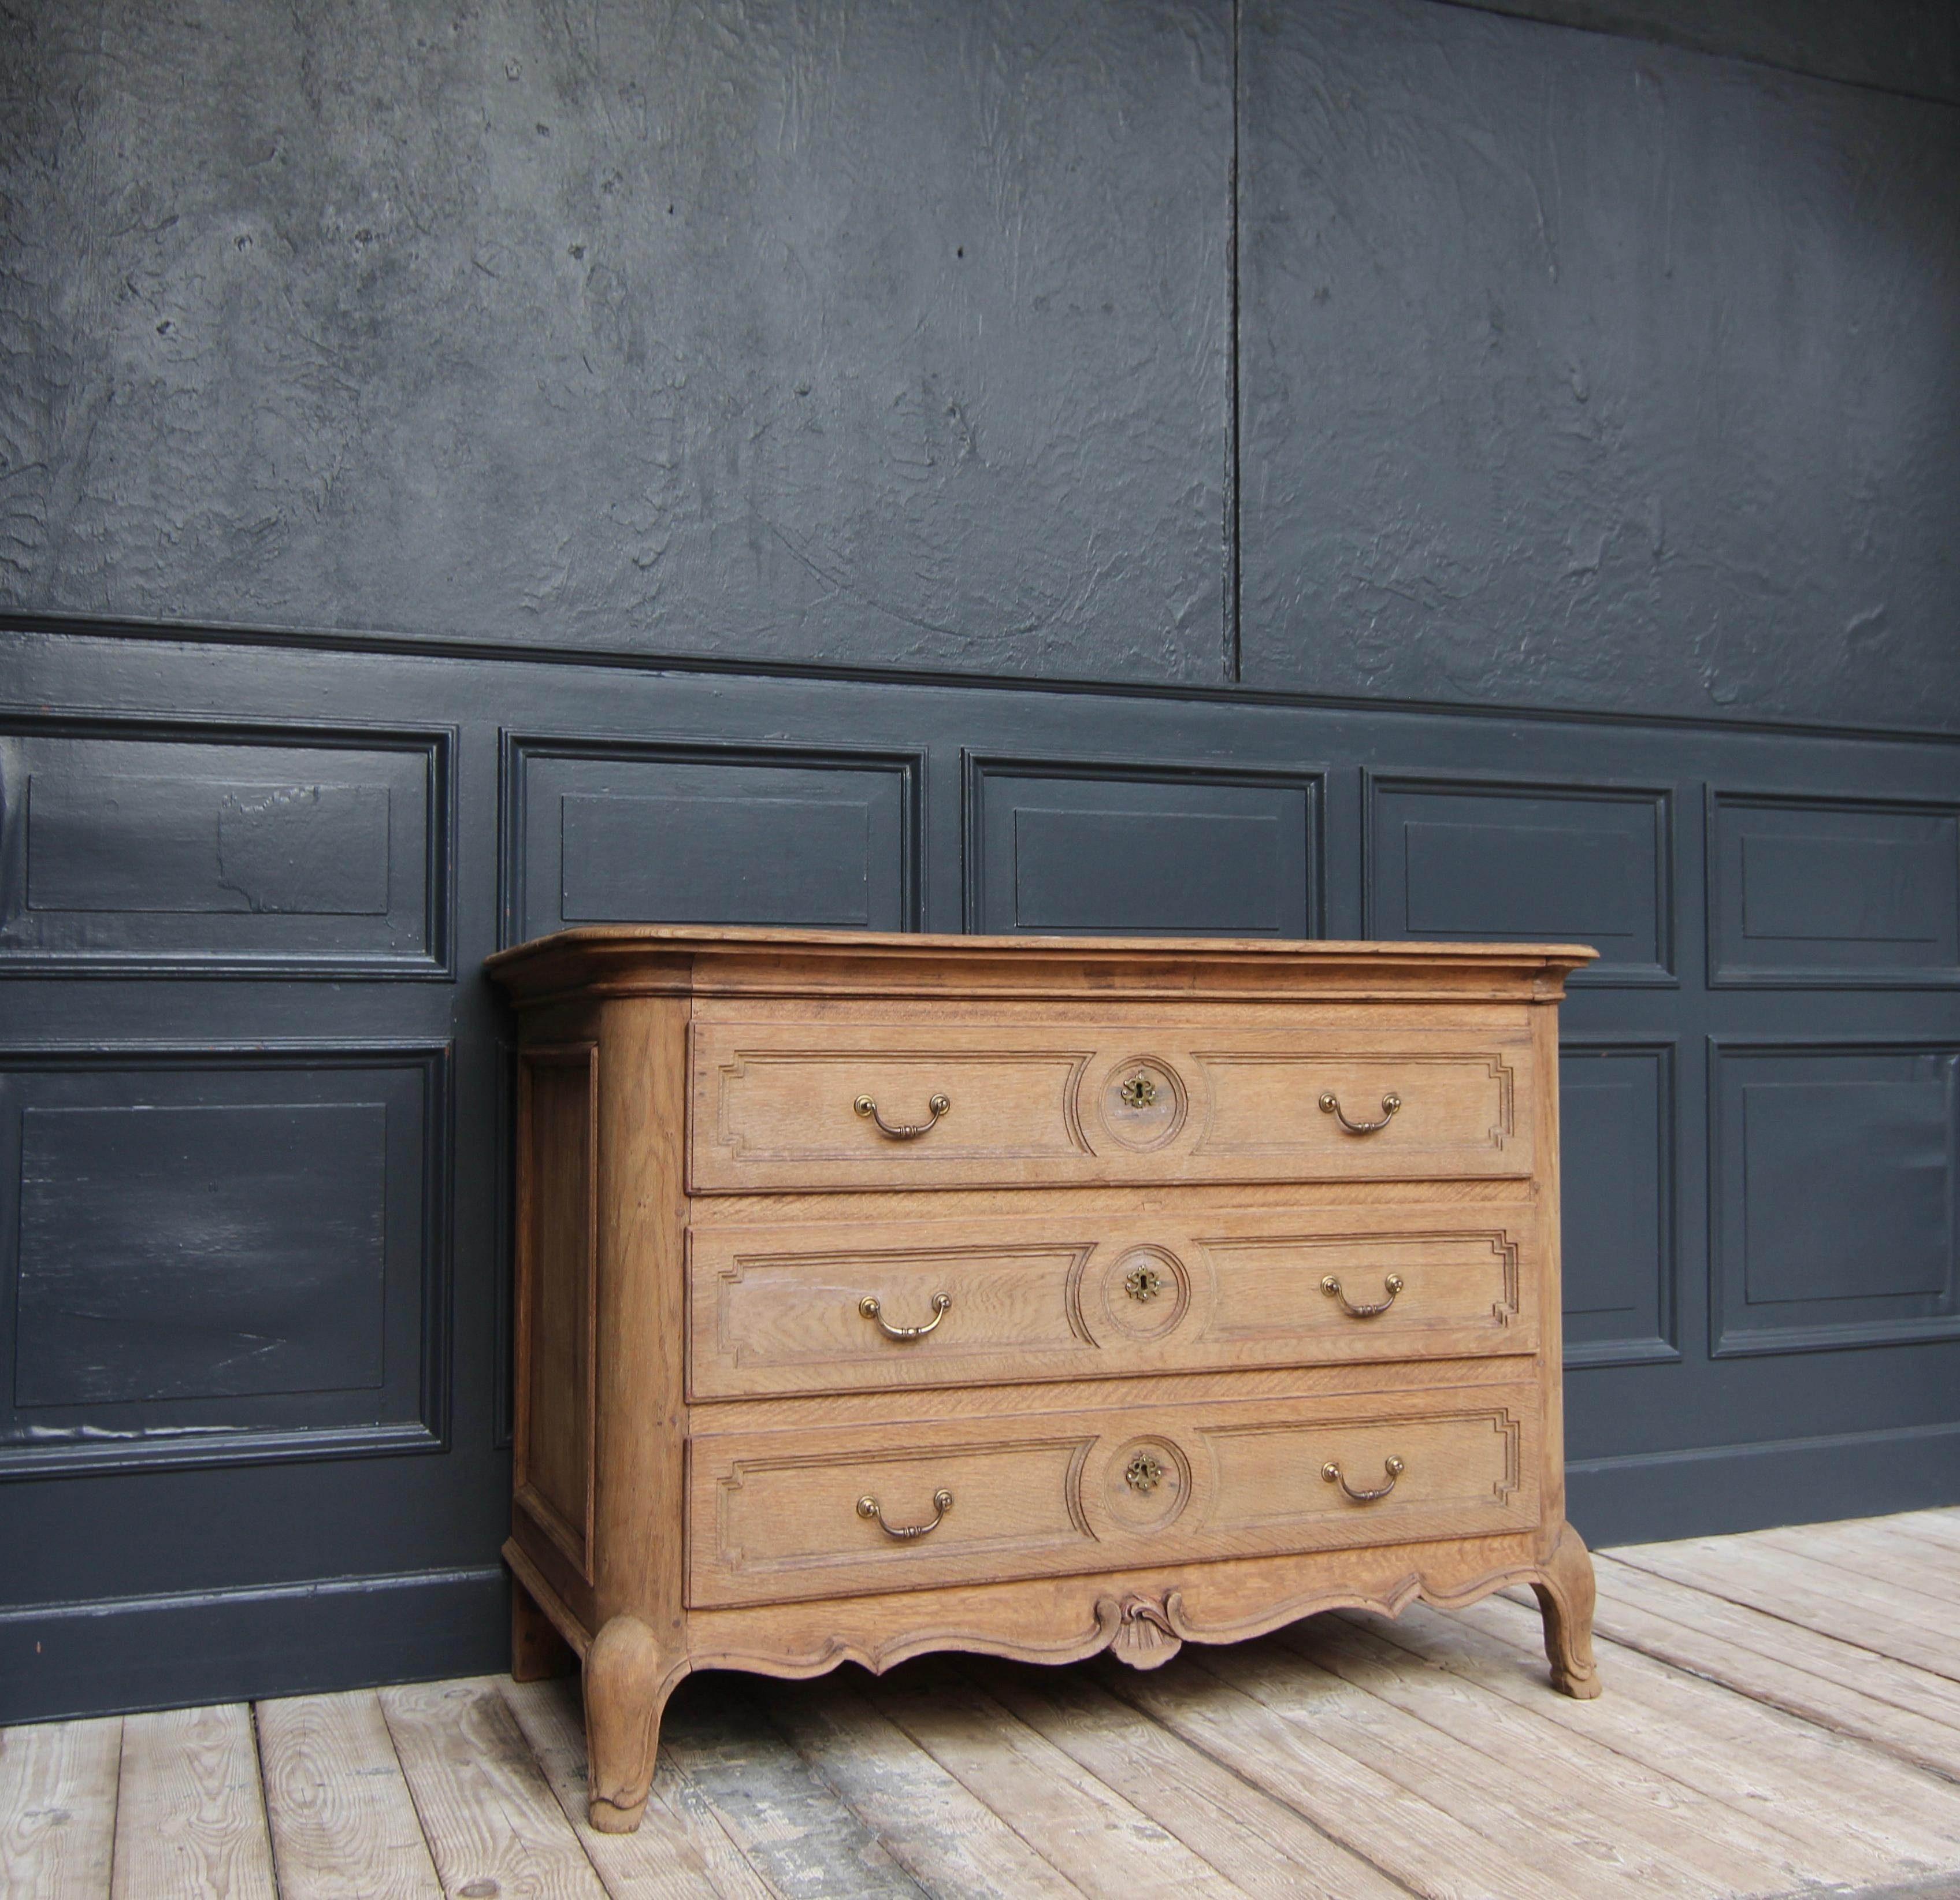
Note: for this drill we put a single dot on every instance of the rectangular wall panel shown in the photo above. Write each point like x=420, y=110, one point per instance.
x=1808, y=892
x=212, y=1255
x=1463, y=861
x=1832, y=1175
x=1055, y=849
x=707, y=835
x=128, y=846
x=1616, y=1151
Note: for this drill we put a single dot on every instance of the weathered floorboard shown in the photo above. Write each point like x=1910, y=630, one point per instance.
x=58, y=1808
x=190, y=1814
x=343, y=1825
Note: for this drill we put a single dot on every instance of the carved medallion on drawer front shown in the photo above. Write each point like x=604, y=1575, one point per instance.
x=1144, y=1484
x=1141, y=1103
x=1139, y=1292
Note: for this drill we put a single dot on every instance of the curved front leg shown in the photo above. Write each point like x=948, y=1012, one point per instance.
x=1565, y=1594
x=627, y=1684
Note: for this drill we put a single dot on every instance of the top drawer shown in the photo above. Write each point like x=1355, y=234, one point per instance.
x=857, y=1104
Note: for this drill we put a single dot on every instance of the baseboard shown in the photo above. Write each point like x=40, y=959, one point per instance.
x=1652, y=1496
x=108, y=1657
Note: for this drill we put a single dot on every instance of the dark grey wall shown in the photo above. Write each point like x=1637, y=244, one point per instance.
x=796, y=331
x=1303, y=384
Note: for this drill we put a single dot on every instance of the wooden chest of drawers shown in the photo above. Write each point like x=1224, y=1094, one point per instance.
x=880, y=1294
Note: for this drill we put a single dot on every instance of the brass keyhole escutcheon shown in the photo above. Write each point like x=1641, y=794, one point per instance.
x=1139, y=1092
x=1144, y=1473
x=1143, y=1284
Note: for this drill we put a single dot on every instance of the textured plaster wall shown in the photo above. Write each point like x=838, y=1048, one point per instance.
x=1574, y=369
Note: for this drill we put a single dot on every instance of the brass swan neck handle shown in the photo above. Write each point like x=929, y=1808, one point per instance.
x=942, y=1503
x=1330, y=1104
x=1330, y=1284
x=902, y=1131
x=871, y=1308
x=1393, y=1467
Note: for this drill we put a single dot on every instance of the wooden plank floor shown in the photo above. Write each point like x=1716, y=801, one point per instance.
x=1781, y=1716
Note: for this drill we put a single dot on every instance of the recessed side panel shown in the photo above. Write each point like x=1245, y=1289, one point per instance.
x=1616, y=1124
x=213, y=1256
x=1832, y=1179
x=1462, y=862
x=709, y=834
x=130, y=847
x=557, y=1289
x=1192, y=852
x=1833, y=892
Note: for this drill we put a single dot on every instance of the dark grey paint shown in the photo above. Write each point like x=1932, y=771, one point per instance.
x=1452, y=861
x=378, y=319
x=1811, y=891
x=212, y=1255
x=629, y=834
x=794, y=329
x=1111, y=849
x=1898, y=46
x=200, y=1252
x=1617, y=1189
x=1578, y=372
x=139, y=844
x=1834, y=1175
x=1665, y=1438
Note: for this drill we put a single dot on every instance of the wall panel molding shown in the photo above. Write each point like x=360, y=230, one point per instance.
x=1617, y=1168
x=222, y=1255
x=1092, y=845
x=1815, y=893
x=160, y=847
x=1833, y=1170
x=597, y=829
x=1463, y=858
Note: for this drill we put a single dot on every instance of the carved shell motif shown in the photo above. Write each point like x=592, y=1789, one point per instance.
x=1139, y=1630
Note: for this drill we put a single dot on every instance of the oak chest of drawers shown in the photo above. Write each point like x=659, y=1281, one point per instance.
x=878, y=1294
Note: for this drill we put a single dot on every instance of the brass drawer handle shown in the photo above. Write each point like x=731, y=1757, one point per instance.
x=942, y=1503
x=903, y=1131
x=871, y=1309
x=1332, y=1472
x=1330, y=1104
x=1392, y=1286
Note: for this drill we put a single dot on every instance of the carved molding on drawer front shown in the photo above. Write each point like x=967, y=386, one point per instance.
x=1358, y=1261
x=1254, y=1120
x=1248, y=1492
x=824, y=1126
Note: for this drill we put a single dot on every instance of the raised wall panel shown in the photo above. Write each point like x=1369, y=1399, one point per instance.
x=210, y=1256
x=705, y=835
x=1836, y=893
x=1616, y=1151
x=1832, y=1177
x=1056, y=849
x=129, y=847
x=1462, y=861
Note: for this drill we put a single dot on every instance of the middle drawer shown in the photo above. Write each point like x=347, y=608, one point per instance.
x=776, y=1311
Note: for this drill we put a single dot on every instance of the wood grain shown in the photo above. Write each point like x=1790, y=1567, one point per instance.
x=58, y=1790
x=778, y=1310
x=492, y=1823
x=343, y=1825
x=680, y=1852
x=1145, y=1387
x=190, y=1816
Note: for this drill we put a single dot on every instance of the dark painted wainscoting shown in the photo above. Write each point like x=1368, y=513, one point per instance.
x=254, y=1407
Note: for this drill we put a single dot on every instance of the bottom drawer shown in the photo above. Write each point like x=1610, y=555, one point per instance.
x=838, y=1511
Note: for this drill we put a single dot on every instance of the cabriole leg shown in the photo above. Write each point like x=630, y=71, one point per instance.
x=626, y=1688
x=1565, y=1594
